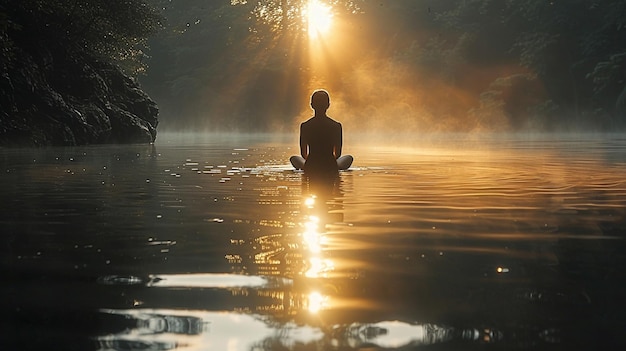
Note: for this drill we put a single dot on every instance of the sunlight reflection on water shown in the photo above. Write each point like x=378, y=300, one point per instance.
x=221, y=245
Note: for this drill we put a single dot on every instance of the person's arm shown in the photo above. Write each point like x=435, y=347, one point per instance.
x=338, y=142
x=304, y=151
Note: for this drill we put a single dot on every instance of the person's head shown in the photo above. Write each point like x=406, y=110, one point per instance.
x=320, y=100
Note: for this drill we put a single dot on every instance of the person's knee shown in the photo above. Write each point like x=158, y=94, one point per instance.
x=297, y=161
x=344, y=162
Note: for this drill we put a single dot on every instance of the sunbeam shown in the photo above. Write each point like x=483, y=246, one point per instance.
x=319, y=18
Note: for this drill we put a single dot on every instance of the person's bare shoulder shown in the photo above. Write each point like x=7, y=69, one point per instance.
x=307, y=122
x=332, y=120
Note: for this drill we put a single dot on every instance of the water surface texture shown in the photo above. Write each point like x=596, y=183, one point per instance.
x=216, y=243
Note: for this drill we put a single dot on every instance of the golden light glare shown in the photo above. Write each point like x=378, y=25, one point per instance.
x=317, y=302
x=311, y=235
x=309, y=201
x=319, y=18
x=319, y=267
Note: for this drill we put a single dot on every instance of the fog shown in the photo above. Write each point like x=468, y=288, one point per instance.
x=418, y=67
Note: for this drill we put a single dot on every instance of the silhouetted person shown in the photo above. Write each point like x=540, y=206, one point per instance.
x=321, y=141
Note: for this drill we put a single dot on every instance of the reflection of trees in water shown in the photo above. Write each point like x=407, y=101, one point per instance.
x=149, y=325
x=160, y=331
x=123, y=345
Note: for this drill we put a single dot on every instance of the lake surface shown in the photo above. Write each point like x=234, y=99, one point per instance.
x=216, y=243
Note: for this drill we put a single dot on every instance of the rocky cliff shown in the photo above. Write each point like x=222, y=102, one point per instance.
x=49, y=96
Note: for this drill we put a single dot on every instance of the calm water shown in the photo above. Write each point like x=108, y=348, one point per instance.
x=215, y=243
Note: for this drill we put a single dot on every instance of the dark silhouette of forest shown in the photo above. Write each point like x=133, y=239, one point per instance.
x=64, y=72
x=110, y=30
x=445, y=65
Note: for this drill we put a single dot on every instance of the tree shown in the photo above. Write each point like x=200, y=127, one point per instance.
x=246, y=62
x=569, y=45
x=107, y=29
x=232, y=65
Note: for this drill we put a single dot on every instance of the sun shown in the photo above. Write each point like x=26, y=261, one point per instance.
x=319, y=18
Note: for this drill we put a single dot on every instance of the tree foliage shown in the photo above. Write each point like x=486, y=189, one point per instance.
x=108, y=29
x=231, y=64
x=512, y=63
x=573, y=46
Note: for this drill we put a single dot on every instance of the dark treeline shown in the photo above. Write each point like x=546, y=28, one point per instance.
x=224, y=66
x=423, y=65
x=430, y=65
x=572, y=49
x=66, y=70
x=110, y=30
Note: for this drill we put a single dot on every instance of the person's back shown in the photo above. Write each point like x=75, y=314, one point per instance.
x=323, y=137
x=321, y=140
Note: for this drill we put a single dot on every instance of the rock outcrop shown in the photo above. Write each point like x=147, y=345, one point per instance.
x=51, y=97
